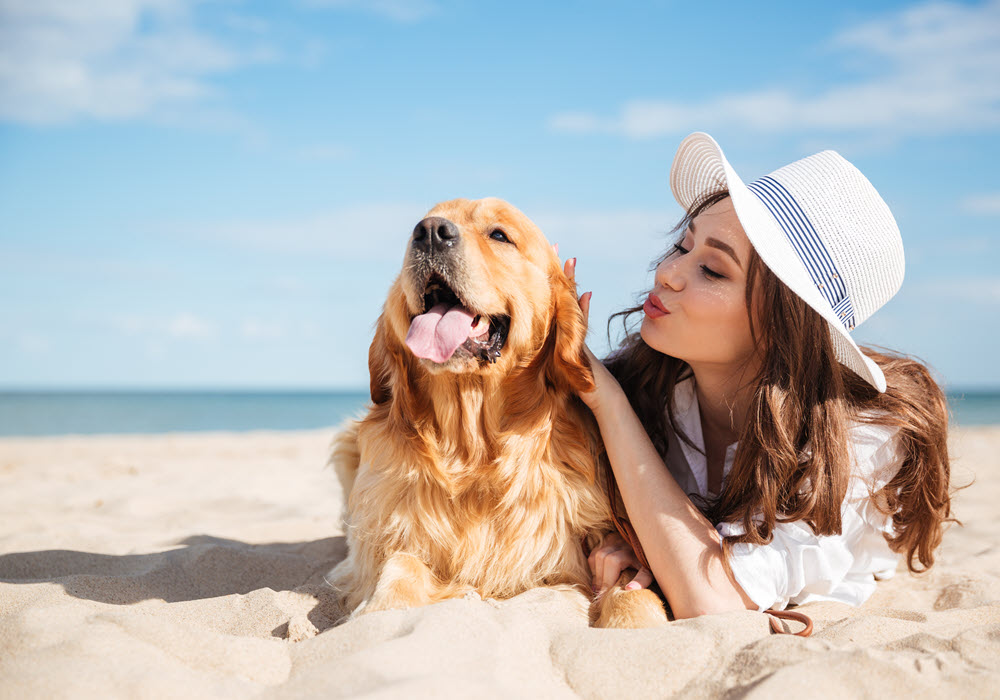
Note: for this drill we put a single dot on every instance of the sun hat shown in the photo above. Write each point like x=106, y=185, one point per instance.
x=819, y=225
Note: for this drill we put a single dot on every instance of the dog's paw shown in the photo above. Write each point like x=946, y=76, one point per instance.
x=621, y=608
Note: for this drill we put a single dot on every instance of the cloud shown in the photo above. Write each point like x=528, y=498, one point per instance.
x=187, y=325
x=356, y=233
x=396, y=10
x=110, y=60
x=936, y=68
x=978, y=291
x=379, y=231
x=287, y=284
x=256, y=329
x=607, y=234
x=183, y=325
x=30, y=342
x=988, y=204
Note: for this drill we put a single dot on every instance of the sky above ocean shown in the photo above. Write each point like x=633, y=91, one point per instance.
x=219, y=193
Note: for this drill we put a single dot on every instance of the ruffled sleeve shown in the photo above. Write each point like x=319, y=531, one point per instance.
x=798, y=566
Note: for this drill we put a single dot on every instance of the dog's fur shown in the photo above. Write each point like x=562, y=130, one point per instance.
x=473, y=475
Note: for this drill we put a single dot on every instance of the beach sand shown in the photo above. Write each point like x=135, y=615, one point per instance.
x=192, y=566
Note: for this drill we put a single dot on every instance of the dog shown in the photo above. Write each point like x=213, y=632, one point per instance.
x=475, y=469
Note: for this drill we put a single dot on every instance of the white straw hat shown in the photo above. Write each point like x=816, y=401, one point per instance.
x=819, y=225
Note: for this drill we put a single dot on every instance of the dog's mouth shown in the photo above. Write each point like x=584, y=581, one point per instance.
x=447, y=327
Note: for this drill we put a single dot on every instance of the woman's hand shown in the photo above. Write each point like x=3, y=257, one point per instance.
x=610, y=559
x=606, y=386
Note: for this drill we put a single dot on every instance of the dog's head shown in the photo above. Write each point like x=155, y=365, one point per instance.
x=481, y=293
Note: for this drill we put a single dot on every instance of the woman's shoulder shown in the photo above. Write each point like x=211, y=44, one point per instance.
x=876, y=449
x=872, y=430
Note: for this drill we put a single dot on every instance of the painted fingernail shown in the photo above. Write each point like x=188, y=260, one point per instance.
x=573, y=261
x=632, y=586
x=555, y=247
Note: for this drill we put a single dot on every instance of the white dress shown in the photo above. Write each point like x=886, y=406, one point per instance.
x=798, y=566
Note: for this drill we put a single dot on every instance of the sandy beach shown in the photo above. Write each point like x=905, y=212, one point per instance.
x=192, y=565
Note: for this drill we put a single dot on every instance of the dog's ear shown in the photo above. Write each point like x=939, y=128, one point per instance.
x=392, y=370
x=380, y=365
x=570, y=362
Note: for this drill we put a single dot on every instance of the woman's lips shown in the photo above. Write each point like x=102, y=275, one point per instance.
x=654, y=307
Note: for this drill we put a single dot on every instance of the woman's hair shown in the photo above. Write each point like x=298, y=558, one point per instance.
x=794, y=460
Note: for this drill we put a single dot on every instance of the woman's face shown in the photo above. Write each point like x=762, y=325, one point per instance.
x=702, y=287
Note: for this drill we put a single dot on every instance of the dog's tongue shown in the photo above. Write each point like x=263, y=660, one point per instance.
x=436, y=334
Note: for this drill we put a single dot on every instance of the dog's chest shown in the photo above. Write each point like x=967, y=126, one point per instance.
x=518, y=528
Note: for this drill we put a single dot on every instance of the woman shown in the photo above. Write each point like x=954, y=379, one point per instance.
x=797, y=467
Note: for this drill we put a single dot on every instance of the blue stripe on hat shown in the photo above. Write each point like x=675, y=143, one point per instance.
x=807, y=245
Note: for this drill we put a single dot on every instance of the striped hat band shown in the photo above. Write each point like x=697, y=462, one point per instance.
x=807, y=245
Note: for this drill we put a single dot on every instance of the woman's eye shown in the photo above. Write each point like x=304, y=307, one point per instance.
x=498, y=235
x=705, y=270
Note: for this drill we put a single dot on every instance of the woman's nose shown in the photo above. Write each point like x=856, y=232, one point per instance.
x=669, y=274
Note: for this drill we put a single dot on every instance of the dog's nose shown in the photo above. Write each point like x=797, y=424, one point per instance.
x=435, y=233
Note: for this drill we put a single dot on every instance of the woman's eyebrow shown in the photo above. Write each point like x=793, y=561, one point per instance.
x=725, y=248
x=719, y=245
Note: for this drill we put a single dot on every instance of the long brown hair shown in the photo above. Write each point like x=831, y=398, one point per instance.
x=794, y=460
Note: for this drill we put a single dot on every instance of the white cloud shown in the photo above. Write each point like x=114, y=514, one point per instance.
x=396, y=10
x=380, y=231
x=31, y=342
x=357, y=233
x=982, y=204
x=63, y=60
x=287, y=284
x=580, y=122
x=256, y=329
x=186, y=325
x=604, y=234
x=183, y=325
x=983, y=290
x=939, y=66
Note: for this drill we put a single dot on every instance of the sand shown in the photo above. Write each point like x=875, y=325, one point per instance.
x=192, y=566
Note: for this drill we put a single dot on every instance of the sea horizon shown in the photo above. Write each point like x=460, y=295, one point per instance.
x=52, y=411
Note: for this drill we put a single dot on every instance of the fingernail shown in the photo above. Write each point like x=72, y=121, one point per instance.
x=555, y=247
x=573, y=261
x=594, y=588
x=632, y=586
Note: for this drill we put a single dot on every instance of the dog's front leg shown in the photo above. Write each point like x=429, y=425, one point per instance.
x=404, y=582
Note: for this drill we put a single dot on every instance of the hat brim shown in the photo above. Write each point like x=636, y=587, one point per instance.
x=700, y=168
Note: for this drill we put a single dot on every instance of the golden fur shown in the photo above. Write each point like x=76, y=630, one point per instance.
x=476, y=476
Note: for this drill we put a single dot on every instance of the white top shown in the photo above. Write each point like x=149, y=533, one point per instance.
x=798, y=566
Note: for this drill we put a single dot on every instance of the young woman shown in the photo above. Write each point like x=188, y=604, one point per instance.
x=762, y=457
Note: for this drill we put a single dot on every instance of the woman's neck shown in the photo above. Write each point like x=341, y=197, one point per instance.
x=724, y=400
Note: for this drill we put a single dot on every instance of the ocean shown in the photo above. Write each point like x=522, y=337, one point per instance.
x=24, y=413
x=93, y=412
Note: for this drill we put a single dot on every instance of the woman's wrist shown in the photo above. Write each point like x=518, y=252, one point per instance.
x=608, y=401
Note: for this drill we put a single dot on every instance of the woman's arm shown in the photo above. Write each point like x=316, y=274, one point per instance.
x=683, y=548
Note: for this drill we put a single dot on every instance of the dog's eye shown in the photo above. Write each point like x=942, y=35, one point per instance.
x=498, y=235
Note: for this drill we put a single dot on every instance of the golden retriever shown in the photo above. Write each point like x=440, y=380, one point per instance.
x=476, y=467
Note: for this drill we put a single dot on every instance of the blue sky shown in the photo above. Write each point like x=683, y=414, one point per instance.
x=219, y=193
